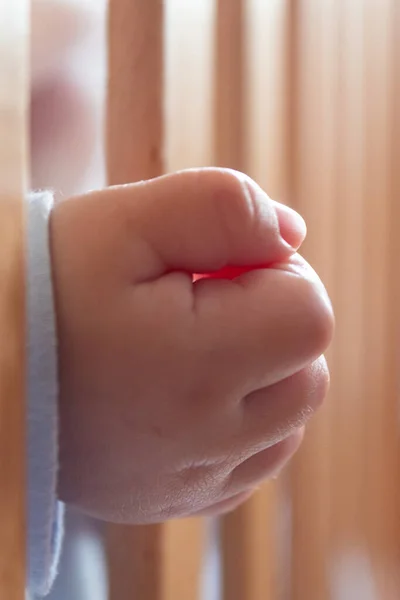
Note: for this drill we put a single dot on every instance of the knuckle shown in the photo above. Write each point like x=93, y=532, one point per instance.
x=312, y=384
x=235, y=206
x=315, y=315
x=199, y=479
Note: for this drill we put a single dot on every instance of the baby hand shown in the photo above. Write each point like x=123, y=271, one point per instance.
x=179, y=398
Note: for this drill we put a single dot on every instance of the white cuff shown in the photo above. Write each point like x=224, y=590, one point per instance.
x=45, y=513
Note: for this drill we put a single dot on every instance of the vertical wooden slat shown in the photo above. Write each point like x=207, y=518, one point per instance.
x=135, y=562
x=246, y=128
x=236, y=529
x=249, y=547
x=229, y=84
x=348, y=387
x=312, y=188
x=394, y=285
x=381, y=451
x=135, y=120
x=365, y=495
x=267, y=95
x=189, y=83
x=14, y=43
x=346, y=478
x=158, y=562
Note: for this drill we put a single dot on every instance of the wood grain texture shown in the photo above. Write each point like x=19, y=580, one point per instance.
x=135, y=122
x=249, y=548
x=312, y=184
x=229, y=84
x=158, y=562
x=14, y=41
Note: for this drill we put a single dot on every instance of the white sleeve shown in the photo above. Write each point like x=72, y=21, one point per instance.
x=45, y=512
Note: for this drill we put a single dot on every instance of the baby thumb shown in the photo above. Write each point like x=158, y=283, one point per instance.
x=203, y=220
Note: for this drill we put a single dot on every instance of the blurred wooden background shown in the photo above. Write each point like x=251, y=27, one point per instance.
x=304, y=96
x=301, y=95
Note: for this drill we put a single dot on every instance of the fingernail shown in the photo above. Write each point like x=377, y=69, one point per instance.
x=292, y=226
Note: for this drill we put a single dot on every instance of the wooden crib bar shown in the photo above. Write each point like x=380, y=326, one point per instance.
x=157, y=562
x=248, y=536
x=135, y=112
x=229, y=89
x=14, y=60
x=345, y=480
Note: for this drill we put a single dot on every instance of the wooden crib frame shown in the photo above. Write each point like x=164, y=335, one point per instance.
x=315, y=135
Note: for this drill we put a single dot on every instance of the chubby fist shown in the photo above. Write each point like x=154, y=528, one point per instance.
x=179, y=397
